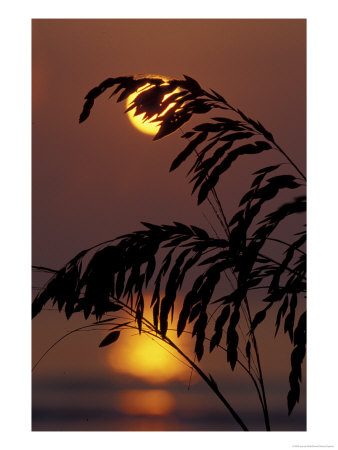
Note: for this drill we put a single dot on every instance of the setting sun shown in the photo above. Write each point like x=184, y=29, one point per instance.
x=149, y=358
x=150, y=126
x=145, y=358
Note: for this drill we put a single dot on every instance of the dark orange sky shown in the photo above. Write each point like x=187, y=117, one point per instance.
x=100, y=179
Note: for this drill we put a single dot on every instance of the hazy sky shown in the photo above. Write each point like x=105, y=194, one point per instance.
x=100, y=179
x=96, y=180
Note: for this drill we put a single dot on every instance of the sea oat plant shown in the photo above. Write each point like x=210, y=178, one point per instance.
x=111, y=279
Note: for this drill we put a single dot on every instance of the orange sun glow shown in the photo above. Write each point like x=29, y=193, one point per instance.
x=149, y=358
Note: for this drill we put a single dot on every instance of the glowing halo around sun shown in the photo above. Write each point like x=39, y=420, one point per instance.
x=148, y=358
x=145, y=358
x=150, y=126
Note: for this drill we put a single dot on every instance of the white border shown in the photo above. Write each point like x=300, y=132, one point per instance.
x=15, y=222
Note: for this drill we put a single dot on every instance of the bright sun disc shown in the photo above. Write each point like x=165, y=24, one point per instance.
x=146, y=126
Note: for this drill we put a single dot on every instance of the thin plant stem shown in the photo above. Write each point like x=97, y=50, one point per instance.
x=211, y=226
x=59, y=340
x=170, y=353
x=271, y=139
x=224, y=224
x=261, y=380
x=279, y=241
x=268, y=258
x=210, y=383
x=290, y=160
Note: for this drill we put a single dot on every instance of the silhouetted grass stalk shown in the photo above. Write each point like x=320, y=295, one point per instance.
x=269, y=138
x=244, y=265
x=220, y=215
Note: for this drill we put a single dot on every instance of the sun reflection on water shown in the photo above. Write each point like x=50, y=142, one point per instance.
x=149, y=402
